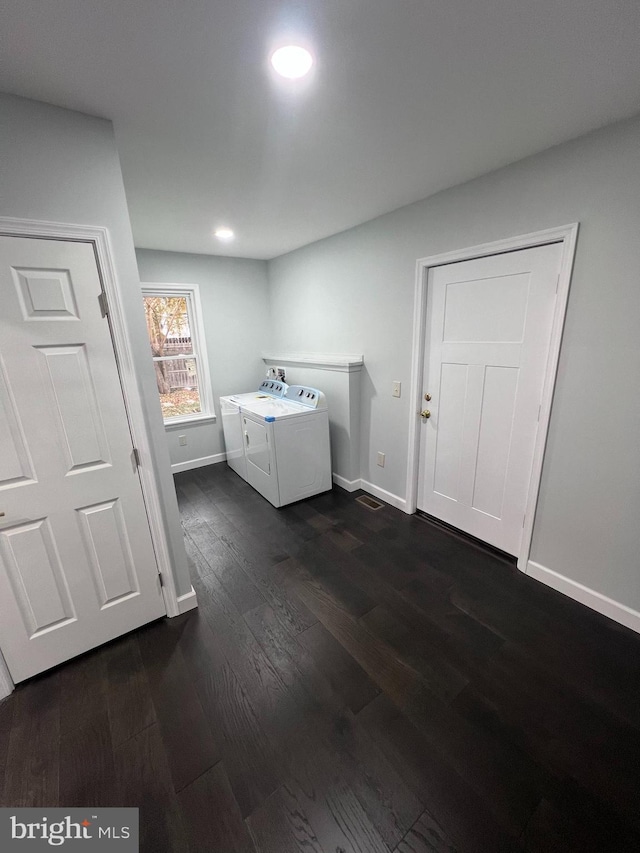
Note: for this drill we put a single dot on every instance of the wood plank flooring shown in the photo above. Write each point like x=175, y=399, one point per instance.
x=352, y=682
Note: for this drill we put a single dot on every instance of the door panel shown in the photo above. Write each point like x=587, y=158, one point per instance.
x=72, y=397
x=496, y=417
x=15, y=463
x=490, y=310
x=452, y=391
x=77, y=566
x=45, y=294
x=108, y=551
x=488, y=327
x=30, y=560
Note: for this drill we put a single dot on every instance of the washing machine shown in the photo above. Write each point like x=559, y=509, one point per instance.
x=286, y=444
x=232, y=422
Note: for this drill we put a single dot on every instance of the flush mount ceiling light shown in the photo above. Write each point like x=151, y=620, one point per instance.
x=224, y=234
x=292, y=61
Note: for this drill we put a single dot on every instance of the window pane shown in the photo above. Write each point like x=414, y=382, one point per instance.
x=168, y=325
x=177, y=380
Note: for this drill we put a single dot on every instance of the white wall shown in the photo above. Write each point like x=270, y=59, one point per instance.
x=235, y=308
x=63, y=166
x=354, y=293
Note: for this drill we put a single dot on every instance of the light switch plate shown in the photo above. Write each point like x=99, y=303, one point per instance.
x=396, y=389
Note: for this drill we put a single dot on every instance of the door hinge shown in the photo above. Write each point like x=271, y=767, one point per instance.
x=102, y=301
x=160, y=578
x=524, y=518
x=135, y=458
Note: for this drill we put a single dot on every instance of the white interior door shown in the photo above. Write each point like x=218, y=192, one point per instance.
x=488, y=330
x=77, y=566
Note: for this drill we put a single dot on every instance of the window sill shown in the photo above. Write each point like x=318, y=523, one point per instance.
x=178, y=423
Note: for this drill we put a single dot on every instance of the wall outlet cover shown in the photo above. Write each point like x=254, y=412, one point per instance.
x=381, y=459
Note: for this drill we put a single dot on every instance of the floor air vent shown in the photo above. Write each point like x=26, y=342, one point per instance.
x=369, y=502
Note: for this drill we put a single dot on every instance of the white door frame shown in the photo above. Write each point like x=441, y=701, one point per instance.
x=565, y=234
x=98, y=236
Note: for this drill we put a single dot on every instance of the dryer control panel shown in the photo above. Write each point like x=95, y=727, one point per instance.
x=310, y=397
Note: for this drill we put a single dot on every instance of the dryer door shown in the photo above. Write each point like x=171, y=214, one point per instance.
x=262, y=473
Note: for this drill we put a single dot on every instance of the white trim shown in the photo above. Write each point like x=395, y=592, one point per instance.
x=340, y=362
x=348, y=485
x=198, y=463
x=565, y=234
x=6, y=682
x=564, y=280
x=384, y=495
x=198, y=337
x=98, y=236
x=178, y=423
x=188, y=601
x=593, y=599
x=376, y=491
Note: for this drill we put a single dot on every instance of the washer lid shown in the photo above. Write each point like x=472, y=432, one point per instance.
x=272, y=409
x=269, y=388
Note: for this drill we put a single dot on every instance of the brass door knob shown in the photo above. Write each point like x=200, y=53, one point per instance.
x=425, y=414
x=427, y=397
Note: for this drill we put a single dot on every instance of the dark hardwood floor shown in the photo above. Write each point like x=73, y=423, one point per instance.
x=352, y=682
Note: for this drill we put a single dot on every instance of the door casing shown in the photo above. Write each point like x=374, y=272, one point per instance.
x=567, y=235
x=98, y=237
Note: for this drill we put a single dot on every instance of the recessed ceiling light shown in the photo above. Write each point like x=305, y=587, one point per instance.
x=224, y=234
x=292, y=61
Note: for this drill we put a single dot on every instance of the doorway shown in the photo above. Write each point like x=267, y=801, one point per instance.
x=487, y=333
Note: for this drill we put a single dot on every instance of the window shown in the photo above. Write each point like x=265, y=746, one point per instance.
x=176, y=336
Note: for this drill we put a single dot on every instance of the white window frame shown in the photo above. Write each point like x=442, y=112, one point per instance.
x=199, y=345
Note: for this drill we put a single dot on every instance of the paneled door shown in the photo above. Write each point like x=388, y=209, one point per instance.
x=489, y=325
x=77, y=566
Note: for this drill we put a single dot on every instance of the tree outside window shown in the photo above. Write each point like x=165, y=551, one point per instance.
x=169, y=325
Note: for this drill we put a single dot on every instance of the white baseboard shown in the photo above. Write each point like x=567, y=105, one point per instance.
x=384, y=495
x=188, y=601
x=376, y=491
x=198, y=463
x=349, y=485
x=595, y=600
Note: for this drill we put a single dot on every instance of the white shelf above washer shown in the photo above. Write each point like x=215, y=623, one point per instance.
x=341, y=362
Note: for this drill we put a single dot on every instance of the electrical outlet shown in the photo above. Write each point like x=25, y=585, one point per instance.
x=396, y=389
x=182, y=440
x=381, y=459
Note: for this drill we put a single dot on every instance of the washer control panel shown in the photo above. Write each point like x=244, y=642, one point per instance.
x=273, y=387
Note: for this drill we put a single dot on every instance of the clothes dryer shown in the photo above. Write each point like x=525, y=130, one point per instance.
x=286, y=445
x=232, y=423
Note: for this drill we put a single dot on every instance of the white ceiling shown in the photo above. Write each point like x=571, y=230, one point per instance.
x=407, y=97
